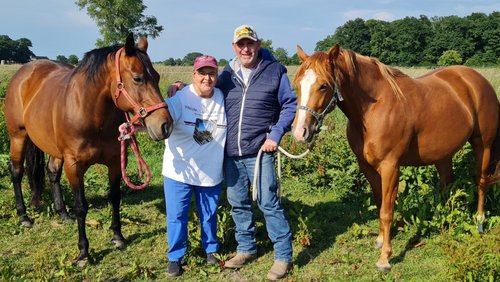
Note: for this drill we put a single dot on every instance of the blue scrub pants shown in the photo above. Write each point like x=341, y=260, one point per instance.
x=177, y=201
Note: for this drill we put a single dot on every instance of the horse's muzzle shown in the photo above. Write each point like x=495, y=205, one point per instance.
x=166, y=129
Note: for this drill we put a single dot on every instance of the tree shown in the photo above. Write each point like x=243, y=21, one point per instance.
x=23, y=54
x=15, y=50
x=294, y=60
x=450, y=33
x=380, y=40
x=169, y=62
x=73, y=59
x=409, y=38
x=188, y=60
x=354, y=34
x=117, y=18
x=268, y=44
x=62, y=58
x=223, y=62
x=6, y=48
x=281, y=55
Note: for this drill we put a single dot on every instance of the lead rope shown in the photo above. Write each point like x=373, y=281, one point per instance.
x=127, y=137
x=278, y=180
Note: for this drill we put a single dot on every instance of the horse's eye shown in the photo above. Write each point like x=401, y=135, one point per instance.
x=138, y=79
x=323, y=87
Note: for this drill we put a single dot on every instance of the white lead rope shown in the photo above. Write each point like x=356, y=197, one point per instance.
x=278, y=180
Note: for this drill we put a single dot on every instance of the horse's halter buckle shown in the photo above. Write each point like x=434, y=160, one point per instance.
x=120, y=88
x=337, y=97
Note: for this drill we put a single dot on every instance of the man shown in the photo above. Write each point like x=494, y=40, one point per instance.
x=260, y=107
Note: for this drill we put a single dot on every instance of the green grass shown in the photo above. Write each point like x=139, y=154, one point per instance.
x=331, y=215
x=338, y=251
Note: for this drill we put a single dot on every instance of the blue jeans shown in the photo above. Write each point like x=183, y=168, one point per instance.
x=177, y=201
x=239, y=173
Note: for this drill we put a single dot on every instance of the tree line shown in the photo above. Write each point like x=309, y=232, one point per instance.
x=472, y=40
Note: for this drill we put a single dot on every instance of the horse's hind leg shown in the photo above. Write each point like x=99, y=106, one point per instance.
x=114, y=174
x=482, y=156
x=17, y=145
x=54, y=171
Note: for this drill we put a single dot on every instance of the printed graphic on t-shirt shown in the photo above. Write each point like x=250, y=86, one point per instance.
x=204, y=130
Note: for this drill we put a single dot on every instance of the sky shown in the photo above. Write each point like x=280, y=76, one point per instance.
x=59, y=27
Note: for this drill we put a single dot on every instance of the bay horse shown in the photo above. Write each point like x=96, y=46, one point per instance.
x=395, y=120
x=73, y=115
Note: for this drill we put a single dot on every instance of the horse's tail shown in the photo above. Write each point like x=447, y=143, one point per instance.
x=494, y=166
x=35, y=161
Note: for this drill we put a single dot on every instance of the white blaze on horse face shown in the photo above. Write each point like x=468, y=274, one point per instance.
x=305, y=89
x=306, y=84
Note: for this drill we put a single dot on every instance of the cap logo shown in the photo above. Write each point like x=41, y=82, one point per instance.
x=246, y=31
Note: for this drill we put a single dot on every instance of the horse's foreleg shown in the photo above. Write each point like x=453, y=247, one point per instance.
x=373, y=178
x=445, y=170
x=54, y=171
x=115, y=199
x=74, y=173
x=389, y=175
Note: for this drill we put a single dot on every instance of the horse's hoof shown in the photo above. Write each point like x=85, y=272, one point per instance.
x=25, y=222
x=82, y=262
x=383, y=267
x=119, y=243
x=66, y=218
x=480, y=228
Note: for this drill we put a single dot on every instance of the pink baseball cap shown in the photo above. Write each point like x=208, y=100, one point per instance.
x=205, y=61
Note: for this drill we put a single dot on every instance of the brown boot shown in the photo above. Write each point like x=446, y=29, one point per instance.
x=279, y=270
x=239, y=260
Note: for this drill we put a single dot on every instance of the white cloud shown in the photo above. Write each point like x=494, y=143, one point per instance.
x=79, y=18
x=353, y=14
x=367, y=14
x=384, y=16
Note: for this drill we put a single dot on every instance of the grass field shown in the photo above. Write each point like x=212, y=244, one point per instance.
x=334, y=225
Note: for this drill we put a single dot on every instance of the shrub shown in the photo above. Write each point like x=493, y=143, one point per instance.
x=471, y=257
x=450, y=57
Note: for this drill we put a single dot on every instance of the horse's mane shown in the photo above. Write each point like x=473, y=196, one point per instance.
x=320, y=65
x=323, y=67
x=94, y=61
x=388, y=73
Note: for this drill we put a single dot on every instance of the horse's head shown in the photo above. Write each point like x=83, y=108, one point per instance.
x=317, y=91
x=137, y=89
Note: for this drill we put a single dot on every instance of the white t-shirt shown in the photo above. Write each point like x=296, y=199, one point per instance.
x=194, y=152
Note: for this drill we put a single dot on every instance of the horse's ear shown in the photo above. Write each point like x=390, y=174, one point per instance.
x=130, y=45
x=334, y=52
x=143, y=43
x=301, y=54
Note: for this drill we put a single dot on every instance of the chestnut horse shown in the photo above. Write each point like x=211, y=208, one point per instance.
x=395, y=120
x=73, y=115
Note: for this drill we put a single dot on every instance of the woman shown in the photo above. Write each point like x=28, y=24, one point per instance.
x=192, y=161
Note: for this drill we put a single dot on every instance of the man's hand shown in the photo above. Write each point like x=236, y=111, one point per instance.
x=269, y=146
